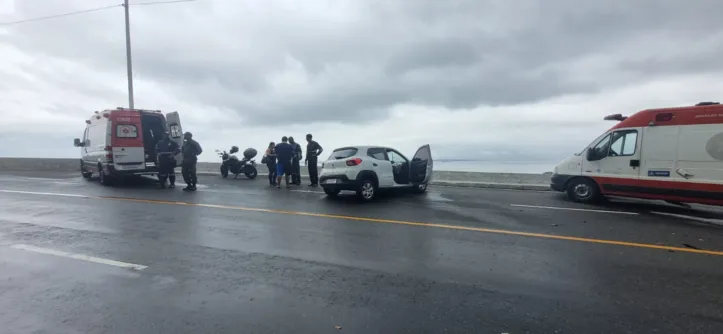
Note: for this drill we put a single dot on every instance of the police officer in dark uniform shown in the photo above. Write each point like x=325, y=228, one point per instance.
x=313, y=150
x=167, y=149
x=295, y=162
x=191, y=150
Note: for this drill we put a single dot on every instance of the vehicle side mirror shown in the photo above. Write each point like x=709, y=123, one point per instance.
x=77, y=142
x=592, y=155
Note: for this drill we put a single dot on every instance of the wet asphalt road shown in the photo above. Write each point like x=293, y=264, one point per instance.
x=239, y=257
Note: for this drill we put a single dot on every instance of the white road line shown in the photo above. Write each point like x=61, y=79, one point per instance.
x=572, y=209
x=718, y=222
x=79, y=257
x=41, y=193
x=33, y=179
x=308, y=191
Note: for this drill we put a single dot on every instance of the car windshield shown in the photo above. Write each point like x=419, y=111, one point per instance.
x=342, y=153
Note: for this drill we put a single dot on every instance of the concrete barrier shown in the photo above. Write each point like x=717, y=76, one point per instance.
x=517, y=181
x=36, y=164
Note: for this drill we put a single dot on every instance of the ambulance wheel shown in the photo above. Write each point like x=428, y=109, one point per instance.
x=583, y=190
x=86, y=175
x=105, y=179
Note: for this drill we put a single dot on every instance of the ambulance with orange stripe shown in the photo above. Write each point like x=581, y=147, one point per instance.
x=671, y=154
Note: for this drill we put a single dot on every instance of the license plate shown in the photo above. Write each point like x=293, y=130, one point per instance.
x=330, y=181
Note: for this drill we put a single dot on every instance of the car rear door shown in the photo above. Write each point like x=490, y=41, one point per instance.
x=421, y=168
x=175, y=131
x=381, y=165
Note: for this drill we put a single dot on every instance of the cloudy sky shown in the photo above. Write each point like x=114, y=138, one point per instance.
x=514, y=80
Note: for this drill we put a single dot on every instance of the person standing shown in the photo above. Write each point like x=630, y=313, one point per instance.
x=167, y=150
x=270, y=160
x=191, y=150
x=296, y=162
x=313, y=150
x=284, y=154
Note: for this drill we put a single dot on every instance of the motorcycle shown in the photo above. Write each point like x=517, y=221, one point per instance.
x=231, y=164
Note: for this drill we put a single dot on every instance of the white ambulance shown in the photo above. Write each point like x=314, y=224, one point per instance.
x=120, y=142
x=671, y=154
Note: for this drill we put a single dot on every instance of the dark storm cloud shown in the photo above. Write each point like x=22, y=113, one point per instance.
x=456, y=54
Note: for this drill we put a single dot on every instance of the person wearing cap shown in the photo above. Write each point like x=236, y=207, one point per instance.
x=191, y=150
x=166, y=149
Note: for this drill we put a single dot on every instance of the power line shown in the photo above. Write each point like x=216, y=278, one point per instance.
x=159, y=2
x=60, y=15
x=91, y=10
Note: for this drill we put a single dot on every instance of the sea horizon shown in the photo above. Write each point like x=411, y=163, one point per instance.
x=459, y=165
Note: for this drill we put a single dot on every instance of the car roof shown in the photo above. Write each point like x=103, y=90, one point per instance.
x=361, y=147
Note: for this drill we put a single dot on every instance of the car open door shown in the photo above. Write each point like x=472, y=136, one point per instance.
x=173, y=122
x=420, y=170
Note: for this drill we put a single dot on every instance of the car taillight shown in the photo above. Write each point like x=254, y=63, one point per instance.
x=354, y=162
x=322, y=165
x=108, y=153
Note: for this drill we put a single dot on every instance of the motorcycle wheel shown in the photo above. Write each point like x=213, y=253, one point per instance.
x=224, y=171
x=251, y=172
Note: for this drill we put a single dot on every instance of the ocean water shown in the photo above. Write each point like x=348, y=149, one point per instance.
x=494, y=167
x=483, y=166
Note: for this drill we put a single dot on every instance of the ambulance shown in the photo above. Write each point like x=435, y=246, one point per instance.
x=122, y=142
x=671, y=154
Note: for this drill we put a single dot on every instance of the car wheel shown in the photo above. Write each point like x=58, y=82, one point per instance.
x=583, y=190
x=367, y=190
x=420, y=188
x=332, y=192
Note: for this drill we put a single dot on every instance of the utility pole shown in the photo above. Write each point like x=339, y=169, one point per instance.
x=129, y=61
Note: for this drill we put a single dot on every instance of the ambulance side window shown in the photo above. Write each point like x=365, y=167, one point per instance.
x=175, y=131
x=600, y=150
x=624, y=143
x=85, y=138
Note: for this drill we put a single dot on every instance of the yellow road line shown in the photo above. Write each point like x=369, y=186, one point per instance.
x=444, y=226
x=387, y=221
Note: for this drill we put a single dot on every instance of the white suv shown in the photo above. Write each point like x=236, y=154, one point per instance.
x=365, y=169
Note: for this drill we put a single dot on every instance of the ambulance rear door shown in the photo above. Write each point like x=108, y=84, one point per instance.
x=173, y=122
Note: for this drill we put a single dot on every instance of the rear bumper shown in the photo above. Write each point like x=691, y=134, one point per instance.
x=559, y=181
x=118, y=169
x=338, y=182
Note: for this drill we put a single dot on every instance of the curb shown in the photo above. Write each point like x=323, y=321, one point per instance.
x=459, y=184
